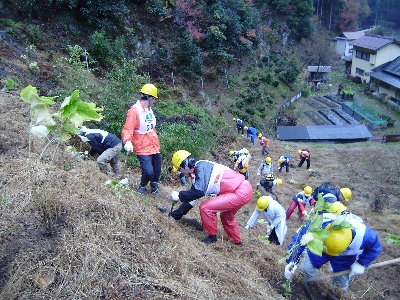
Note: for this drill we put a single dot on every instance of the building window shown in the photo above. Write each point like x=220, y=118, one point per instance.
x=360, y=71
x=362, y=55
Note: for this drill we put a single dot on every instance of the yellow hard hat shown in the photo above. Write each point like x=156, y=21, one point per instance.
x=234, y=119
x=149, y=89
x=259, y=135
x=281, y=159
x=308, y=190
x=178, y=157
x=268, y=160
x=245, y=127
x=279, y=182
x=337, y=207
x=299, y=152
x=263, y=202
x=346, y=192
x=231, y=153
x=337, y=241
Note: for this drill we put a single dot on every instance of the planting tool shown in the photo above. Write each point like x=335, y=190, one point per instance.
x=172, y=207
x=324, y=277
x=125, y=165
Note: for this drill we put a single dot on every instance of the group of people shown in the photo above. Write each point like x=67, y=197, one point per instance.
x=227, y=190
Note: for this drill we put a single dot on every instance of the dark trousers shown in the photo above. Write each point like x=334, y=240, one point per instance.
x=302, y=162
x=182, y=210
x=273, y=238
x=151, y=168
x=240, y=129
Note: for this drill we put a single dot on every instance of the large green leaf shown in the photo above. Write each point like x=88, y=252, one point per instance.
x=316, y=246
x=41, y=115
x=316, y=223
x=30, y=95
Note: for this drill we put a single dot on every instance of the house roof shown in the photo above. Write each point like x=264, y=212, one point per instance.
x=353, y=35
x=372, y=42
x=322, y=69
x=388, y=73
x=324, y=132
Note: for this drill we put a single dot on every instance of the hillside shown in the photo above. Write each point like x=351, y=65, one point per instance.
x=106, y=246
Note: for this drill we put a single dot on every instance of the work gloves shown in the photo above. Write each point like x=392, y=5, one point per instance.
x=290, y=269
x=304, y=213
x=356, y=269
x=128, y=146
x=269, y=230
x=175, y=196
x=258, y=173
x=247, y=227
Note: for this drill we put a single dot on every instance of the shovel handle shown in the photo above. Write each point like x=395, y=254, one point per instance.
x=376, y=265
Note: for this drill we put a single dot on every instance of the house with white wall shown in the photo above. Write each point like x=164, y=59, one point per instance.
x=371, y=51
x=344, y=43
x=385, y=80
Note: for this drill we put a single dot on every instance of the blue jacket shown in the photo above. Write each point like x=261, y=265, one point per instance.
x=100, y=140
x=364, y=247
x=329, y=194
x=252, y=131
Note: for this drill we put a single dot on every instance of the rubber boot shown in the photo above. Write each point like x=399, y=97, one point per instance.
x=210, y=239
x=116, y=168
x=106, y=169
x=142, y=190
x=154, y=188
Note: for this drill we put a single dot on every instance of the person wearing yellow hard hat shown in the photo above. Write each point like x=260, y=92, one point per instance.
x=300, y=200
x=139, y=136
x=268, y=183
x=331, y=194
x=242, y=164
x=351, y=249
x=274, y=213
x=284, y=161
x=264, y=143
x=266, y=167
x=304, y=155
x=251, y=133
x=231, y=192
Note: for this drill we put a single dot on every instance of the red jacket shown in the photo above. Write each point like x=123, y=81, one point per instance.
x=140, y=129
x=264, y=141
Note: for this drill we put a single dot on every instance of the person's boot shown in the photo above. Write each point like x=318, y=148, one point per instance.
x=154, y=188
x=106, y=169
x=210, y=239
x=142, y=190
x=116, y=168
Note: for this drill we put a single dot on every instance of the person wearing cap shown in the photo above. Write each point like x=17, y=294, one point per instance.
x=274, y=213
x=107, y=145
x=331, y=194
x=251, y=132
x=284, y=161
x=139, y=136
x=266, y=167
x=230, y=192
x=300, y=200
x=239, y=125
x=304, y=155
x=269, y=182
x=351, y=249
x=264, y=143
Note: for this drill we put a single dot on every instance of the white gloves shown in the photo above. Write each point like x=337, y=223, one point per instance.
x=128, y=146
x=304, y=213
x=258, y=173
x=175, y=196
x=83, y=138
x=356, y=269
x=290, y=269
x=247, y=227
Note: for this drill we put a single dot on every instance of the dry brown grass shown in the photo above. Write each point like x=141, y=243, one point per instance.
x=103, y=246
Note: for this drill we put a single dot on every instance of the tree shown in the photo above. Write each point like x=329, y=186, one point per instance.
x=348, y=19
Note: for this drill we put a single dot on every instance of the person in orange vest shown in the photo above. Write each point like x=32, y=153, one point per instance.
x=304, y=156
x=264, y=144
x=139, y=136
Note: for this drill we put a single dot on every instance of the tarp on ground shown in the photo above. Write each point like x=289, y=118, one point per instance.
x=324, y=133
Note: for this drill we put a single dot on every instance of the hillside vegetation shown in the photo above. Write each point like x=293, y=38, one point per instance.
x=66, y=234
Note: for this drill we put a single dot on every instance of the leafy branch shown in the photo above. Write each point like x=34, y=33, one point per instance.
x=64, y=123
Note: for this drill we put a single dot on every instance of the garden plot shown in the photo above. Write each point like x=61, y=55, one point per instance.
x=315, y=104
x=317, y=118
x=327, y=102
x=349, y=119
x=333, y=117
